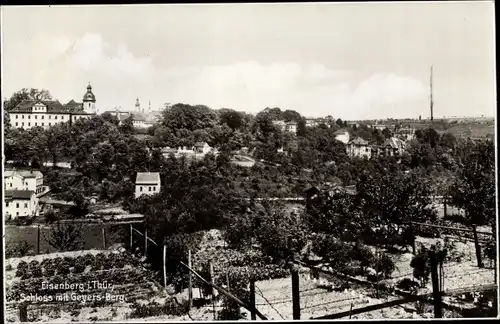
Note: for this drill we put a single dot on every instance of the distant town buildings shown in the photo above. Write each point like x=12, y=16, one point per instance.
x=141, y=118
x=147, y=183
x=46, y=113
x=405, y=134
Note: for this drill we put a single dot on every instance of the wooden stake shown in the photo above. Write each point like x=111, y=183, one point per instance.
x=165, y=265
x=131, y=237
x=438, y=312
x=295, y=295
x=146, y=243
x=190, y=283
x=252, y=299
x=212, y=280
x=38, y=241
x=103, y=238
x=227, y=279
x=23, y=312
x=478, y=248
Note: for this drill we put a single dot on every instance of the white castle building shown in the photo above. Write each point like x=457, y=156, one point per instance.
x=46, y=113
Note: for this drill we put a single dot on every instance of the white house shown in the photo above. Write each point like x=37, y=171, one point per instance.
x=358, y=147
x=147, y=183
x=23, y=180
x=20, y=203
x=291, y=127
x=12, y=180
x=201, y=147
x=342, y=135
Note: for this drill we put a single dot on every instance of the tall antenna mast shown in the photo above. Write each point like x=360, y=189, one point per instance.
x=432, y=102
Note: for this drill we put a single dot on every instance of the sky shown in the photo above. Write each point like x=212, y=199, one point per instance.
x=348, y=60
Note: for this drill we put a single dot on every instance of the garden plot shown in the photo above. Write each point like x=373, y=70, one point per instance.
x=77, y=286
x=316, y=301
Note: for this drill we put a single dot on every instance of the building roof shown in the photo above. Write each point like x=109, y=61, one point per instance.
x=23, y=174
x=200, y=144
x=139, y=117
x=291, y=123
x=341, y=132
x=74, y=106
x=27, y=105
x=358, y=141
x=148, y=178
x=393, y=142
x=53, y=106
x=19, y=194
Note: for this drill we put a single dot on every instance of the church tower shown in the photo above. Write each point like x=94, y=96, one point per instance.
x=137, y=106
x=89, y=101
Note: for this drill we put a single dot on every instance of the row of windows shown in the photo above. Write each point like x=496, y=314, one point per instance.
x=36, y=124
x=154, y=188
x=17, y=205
x=36, y=117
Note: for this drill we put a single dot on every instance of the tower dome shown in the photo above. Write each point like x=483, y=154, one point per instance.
x=89, y=101
x=89, y=95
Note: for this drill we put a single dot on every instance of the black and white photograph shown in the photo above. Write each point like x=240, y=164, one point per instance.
x=249, y=162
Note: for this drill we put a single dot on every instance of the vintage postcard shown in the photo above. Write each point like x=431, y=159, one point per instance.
x=286, y=161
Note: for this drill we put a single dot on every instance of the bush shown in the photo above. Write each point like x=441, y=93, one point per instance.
x=421, y=267
x=384, y=265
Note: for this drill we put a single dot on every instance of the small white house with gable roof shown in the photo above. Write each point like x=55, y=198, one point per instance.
x=147, y=183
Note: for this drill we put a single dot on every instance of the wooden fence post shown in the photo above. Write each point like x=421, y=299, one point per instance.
x=165, y=265
x=103, y=238
x=438, y=312
x=478, y=248
x=444, y=207
x=252, y=299
x=23, y=312
x=190, y=283
x=146, y=243
x=212, y=280
x=131, y=237
x=295, y=294
x=38, y=241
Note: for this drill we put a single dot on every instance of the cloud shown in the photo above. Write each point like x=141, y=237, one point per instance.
x=312, y=90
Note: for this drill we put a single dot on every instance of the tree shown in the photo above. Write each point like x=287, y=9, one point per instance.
x=127, y=127
x=26, y=94
x=291, y=115
x=386, y=132
x=474, y=188
x=65, y=237
x=340, y=123
x=231, y=118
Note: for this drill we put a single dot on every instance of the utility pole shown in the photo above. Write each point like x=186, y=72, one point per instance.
x=432, y=102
